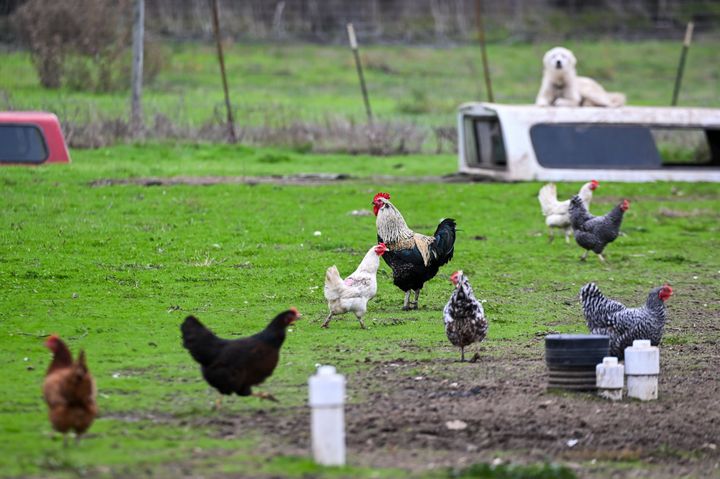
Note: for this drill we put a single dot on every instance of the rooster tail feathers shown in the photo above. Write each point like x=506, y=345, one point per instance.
x=202, y=343
x=547, y=198
x=444, y=244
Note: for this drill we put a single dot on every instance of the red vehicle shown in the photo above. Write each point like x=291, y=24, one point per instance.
x=31, y=138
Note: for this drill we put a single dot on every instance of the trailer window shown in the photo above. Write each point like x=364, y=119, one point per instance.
x=688, y=147
x=594, y=146
x=484, y=145
x=22, y=144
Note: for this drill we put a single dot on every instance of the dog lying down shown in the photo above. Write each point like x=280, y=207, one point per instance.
x=561, y=85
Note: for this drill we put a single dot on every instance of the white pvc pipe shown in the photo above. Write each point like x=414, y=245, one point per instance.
x=327, y=401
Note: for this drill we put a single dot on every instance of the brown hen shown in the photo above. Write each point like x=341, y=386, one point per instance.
x=69, y=391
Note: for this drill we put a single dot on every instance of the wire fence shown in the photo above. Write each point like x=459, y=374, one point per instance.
x=436, y=21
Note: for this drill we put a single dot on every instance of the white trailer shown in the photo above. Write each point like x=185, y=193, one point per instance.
x=527, y=142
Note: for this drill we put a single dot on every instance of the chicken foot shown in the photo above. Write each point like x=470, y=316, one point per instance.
x=584, y=256
x=264, y=395
x=327, y=321
x=601, y=257
x=567, y=235
x=360, y=318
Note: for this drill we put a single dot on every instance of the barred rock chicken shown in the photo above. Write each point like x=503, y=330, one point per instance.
x=622, y=324
x=413, y=258
x=353, y=293
x=595, y=232
x=464, y=316
x=69, y=391
x=235, y=365
x=557, y=213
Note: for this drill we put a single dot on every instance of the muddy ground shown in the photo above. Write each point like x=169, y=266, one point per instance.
x=399, y=410
x=309, y=179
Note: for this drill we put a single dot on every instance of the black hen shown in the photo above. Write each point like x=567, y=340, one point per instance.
x=595, y=232
x=235, y=365
x=414, y=258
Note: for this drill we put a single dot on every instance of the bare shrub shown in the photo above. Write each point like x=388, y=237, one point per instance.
x=156, y=57
x=446, y=135
x=341, y=135
x=96, y=30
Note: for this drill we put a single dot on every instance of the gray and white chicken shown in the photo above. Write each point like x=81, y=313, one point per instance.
x=595, y=232
x=623, y=324
x=464, y=317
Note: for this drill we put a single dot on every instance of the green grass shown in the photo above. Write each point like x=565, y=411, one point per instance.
x=115, y=269
x=277, y=84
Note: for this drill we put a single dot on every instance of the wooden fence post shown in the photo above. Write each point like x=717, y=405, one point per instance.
x=136, y=112
x=216, y=28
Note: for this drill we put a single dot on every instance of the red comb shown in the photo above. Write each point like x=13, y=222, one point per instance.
x=595, y=182
x=294, y=310
x=381, y=195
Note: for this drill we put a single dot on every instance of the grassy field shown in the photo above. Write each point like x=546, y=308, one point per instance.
x=115, y=269
x=278, y=84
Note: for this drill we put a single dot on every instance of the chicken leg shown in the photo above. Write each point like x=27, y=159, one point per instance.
x=584, y=256
x=407, y=301
x=602, y=258
x=327, y=320
x=360, y=318
x=551, y=234
x=567, y=235
x=417, y=296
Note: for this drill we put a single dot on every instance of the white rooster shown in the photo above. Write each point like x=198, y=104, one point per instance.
x=353, y=293
x=557, y=213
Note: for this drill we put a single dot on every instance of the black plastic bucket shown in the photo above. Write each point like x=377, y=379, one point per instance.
x=571, y=359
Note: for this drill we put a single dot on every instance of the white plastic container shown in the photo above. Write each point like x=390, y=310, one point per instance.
x=642, y=367
x=327, y=401
x=610, y=378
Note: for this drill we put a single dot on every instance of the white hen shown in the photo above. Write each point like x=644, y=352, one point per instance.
x=557, y=213
x=353, y=293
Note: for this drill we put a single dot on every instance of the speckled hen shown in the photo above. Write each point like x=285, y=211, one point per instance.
x=595, y=232
x=623, y=324
x=464, y=316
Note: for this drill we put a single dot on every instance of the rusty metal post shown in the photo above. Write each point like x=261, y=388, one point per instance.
x=358, y=65
x=481, y=39
x=681, y=66
x=216, y=28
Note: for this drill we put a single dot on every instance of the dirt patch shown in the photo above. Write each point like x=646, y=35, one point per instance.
x=297, y=180
x=399, y=410
x=399, y=413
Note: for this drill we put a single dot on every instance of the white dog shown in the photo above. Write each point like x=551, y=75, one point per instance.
x=561, y=86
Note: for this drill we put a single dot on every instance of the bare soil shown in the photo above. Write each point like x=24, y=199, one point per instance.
x=313, y=179
x=398, y=413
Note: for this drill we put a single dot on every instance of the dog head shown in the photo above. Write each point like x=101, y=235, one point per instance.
x=559, y=58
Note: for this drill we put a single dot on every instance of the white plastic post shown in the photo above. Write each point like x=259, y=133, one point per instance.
x=642, y=366
x=610, y=377
x=327, y=401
